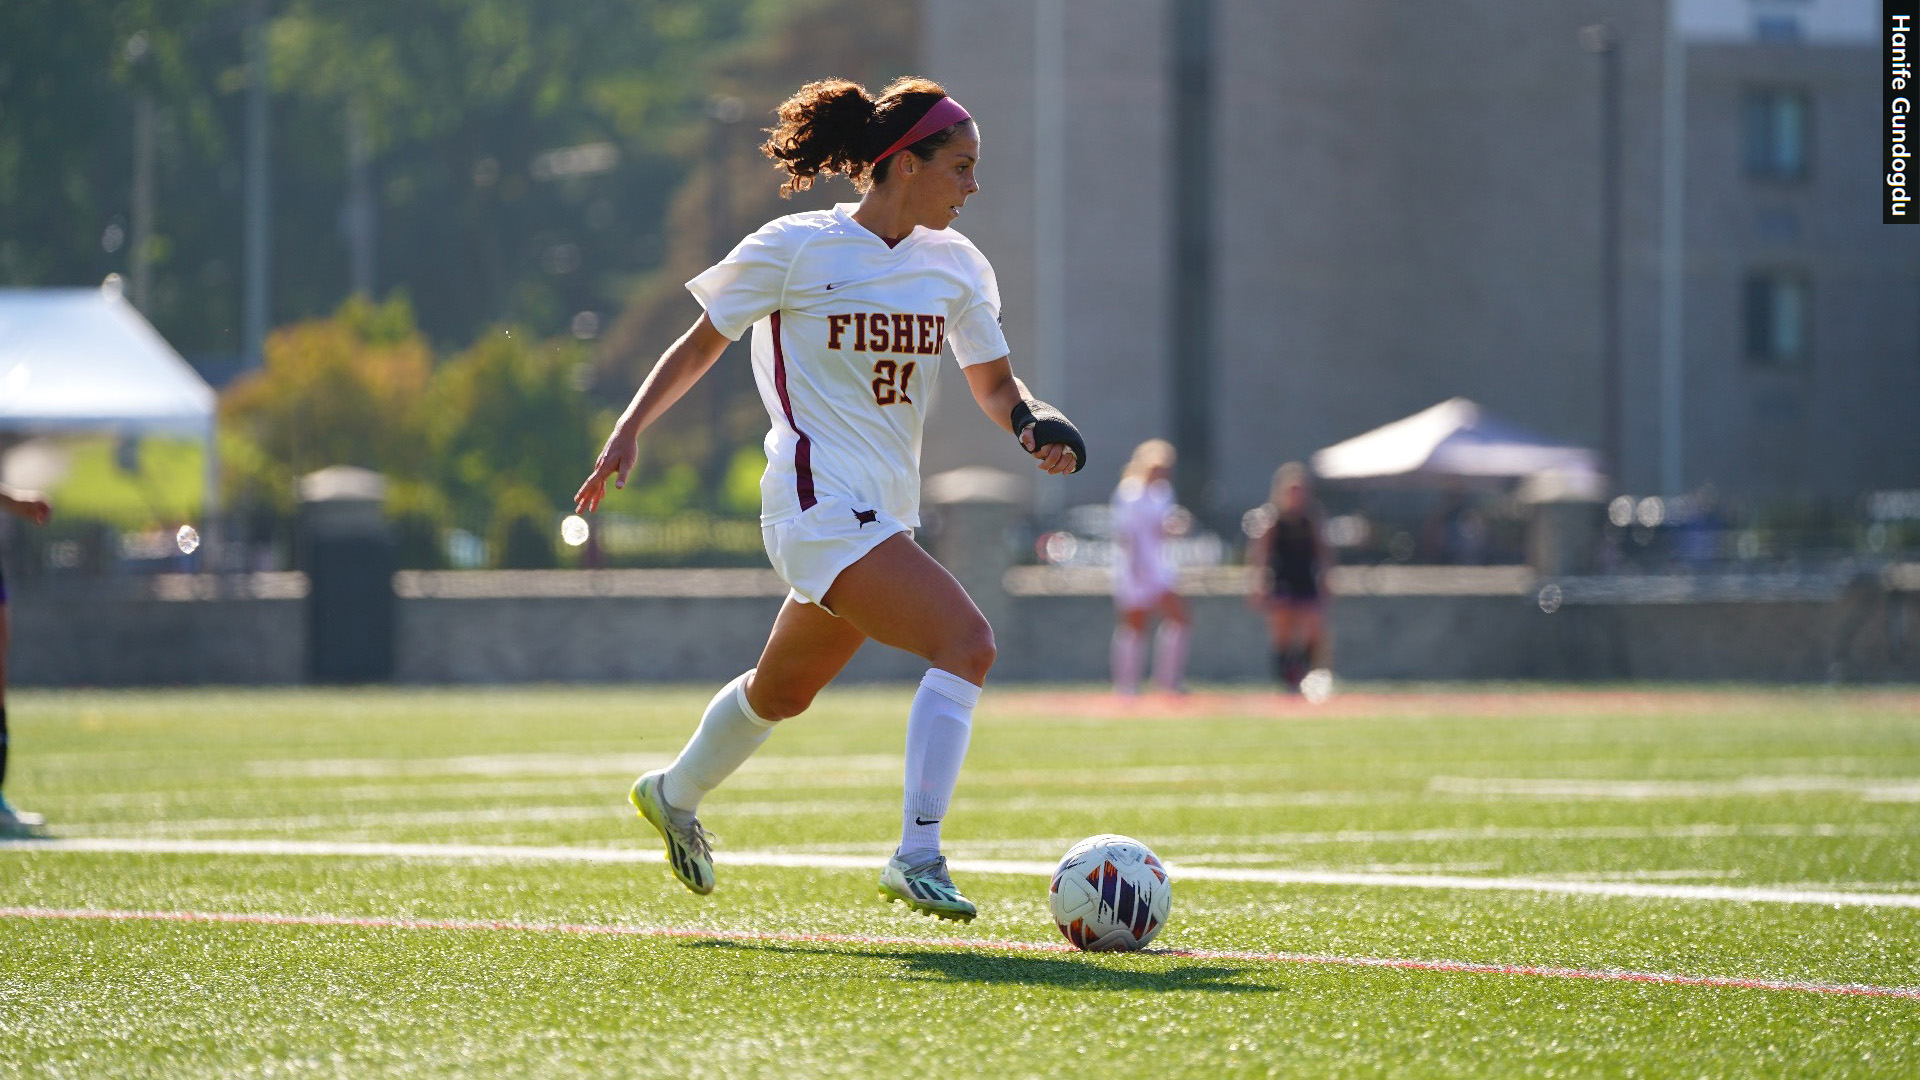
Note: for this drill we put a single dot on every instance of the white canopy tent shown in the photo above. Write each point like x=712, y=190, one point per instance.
x=77, y=360
x=1452, y=442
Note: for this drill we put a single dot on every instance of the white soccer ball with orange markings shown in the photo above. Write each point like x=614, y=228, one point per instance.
x=1110, y=894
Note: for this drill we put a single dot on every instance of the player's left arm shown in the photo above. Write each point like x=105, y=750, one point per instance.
x=1042, y=430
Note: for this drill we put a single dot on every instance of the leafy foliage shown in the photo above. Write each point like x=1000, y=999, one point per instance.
x=342, y=391
x=508, y=413
x=489, y=436
x=461, y=102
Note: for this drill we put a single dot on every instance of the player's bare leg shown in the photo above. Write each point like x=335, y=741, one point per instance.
x=806, y=649
x=1129, y=651
x=12, y=822
x=898, y=595
x=1283, y=626
x=1313, y=633
x=1170, y=644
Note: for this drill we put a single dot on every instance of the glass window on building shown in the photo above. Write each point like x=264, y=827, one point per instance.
x=1775, y=127
x=1777, y=307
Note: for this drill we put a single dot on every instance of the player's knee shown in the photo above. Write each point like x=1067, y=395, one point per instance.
x=970, y=652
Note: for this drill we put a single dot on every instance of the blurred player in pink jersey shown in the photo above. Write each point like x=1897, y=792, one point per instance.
x=851, y=310
x=1145, y=580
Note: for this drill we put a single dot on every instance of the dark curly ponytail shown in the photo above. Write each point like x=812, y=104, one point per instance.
x=833, y=126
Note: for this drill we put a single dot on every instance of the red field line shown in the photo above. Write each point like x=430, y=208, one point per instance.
x=1449, y=967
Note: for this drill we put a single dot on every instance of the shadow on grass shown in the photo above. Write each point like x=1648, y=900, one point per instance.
x=1065, y=972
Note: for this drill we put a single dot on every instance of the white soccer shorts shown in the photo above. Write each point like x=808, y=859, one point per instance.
x=1138, y=593
x=810, y=551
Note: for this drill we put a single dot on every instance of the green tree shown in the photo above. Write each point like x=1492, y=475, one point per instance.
x=509, y=413
x=462, y=104
x=347, y=390
x=70, y=74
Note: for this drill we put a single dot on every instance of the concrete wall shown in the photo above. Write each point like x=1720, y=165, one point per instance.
x=160, y=631
x=1054, y=626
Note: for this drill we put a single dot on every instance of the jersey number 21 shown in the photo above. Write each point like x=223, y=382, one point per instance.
x=890, y=382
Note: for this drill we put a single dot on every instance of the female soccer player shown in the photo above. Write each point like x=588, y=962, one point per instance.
x=34, y=507
x=1144, y=578
x=850, y=308
x=1289, y=561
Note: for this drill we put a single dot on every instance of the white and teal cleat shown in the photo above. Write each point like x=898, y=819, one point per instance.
x=926, y=888
x=689, y=847
x=19, y=824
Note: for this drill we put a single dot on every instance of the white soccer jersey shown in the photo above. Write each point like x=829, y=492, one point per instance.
x=1142, y=569
x=847, y=337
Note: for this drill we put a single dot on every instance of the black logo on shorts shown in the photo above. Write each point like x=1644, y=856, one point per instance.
x=866, y=517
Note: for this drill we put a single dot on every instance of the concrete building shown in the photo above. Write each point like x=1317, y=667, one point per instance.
x=1660, y=240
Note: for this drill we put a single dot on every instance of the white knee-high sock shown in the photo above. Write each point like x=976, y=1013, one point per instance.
x=1169, y=654
x=728, y=734
x=1128, y=647
x=939, y=724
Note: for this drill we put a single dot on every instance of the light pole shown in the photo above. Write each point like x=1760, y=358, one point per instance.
x=258, y=245
x=1601, y=40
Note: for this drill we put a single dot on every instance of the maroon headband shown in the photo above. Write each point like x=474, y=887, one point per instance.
x=945, y=113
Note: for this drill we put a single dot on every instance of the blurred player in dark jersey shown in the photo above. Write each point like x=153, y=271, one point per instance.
x=1288, y=562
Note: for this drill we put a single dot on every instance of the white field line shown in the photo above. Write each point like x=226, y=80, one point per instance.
x=878, y=799
x=618, y=761
x=821, y=861
x=794, y=771
x=477, y=765
x=857, y=789
x=1242, y=850
x=1242, y=845
x=1446, y=967
x=1872, y=789
x=551, y=765
x=1250, y=841
x=528, y=815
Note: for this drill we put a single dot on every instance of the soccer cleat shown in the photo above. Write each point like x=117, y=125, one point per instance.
x=689, y=847
x=926, y=888
x=19, y=823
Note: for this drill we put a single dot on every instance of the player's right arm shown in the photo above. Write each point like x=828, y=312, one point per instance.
x=672, y=376
x=27, y=504
x=1258, y=577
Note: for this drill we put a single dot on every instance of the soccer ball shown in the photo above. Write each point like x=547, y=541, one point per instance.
x=1110, y=894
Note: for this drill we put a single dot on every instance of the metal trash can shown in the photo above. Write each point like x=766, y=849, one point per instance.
x=349, y=555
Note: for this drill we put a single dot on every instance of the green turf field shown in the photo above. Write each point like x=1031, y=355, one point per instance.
x=516, y=919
